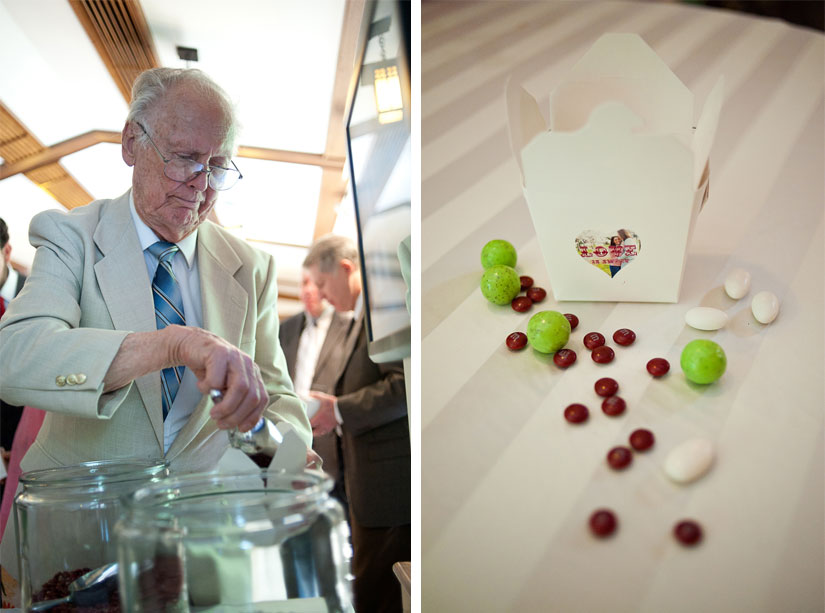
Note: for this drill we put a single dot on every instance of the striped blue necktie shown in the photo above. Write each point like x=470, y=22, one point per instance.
x=168, y=311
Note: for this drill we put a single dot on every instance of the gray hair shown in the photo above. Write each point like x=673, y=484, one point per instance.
x=151, y=85
x=328, y=250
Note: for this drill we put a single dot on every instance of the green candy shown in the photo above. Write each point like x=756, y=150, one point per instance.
x=500, y=284
x=498, y=252
x=548, y=331
x=703, y=361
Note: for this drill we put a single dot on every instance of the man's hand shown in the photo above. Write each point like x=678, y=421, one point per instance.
x=219, y=365
x=324, y=419
x=215, y=363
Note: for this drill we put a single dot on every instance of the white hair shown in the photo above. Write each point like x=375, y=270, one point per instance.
x=151, y=85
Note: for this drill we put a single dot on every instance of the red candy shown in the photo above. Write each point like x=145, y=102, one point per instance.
x=613, y=406
x=603, y=522
x=526, y=282
x=619, y=457
x=574, y=321
x=606, y=386
x=521, y=304
x=688, y=532
x=641, y=439
x=516, y=341
x=593, y=340
x=602, y=355
x=536, y=294
x=658, y=367
x=624, y=336
x=564, y=358
x=576, y=413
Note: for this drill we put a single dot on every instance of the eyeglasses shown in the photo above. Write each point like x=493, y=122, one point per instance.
x=182, y=170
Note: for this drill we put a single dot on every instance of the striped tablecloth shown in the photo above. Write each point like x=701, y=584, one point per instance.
x=507, y=484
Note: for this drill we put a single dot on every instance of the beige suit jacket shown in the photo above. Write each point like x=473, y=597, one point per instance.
x=87, y=291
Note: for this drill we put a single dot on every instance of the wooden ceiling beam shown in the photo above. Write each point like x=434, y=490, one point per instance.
x=52, y=154
x=333, y=185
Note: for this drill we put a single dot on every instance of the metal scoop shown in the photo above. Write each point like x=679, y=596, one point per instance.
x=87, y=590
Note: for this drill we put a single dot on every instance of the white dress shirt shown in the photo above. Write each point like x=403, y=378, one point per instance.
x=185, y=268
x=309, y=348
x=10, y=286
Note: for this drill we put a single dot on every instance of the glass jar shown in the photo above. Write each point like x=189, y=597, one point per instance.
x=65, y=518
x=251, y=541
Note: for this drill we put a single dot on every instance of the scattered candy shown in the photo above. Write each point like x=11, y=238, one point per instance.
x=689, y=461
x=703, y=361
x=613, y=406
x=516, y=341
x=521, y=304
x=500, y=284
x=536, y=294
x=687, y=532
x=602, y=355
x=526, y=282
x=592, y=340
x=564, y=358
x=603, y=522
x=498, y=252
x=574, y=321
x=619, y=458
x=606, y=386
x=765, y=307
x=624, y=336
x=706, y=318
x=548, y=331
x=737, y=283
x=658, y=367
x=576, y=413
x=641, y=439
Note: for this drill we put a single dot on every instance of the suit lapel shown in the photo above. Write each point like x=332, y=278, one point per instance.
x=290, y=349
x=336, y=335
x=128, y=297
x=224, y=303
x=354, y=331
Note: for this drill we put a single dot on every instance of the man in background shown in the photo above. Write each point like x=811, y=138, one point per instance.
x=312, y=341
x=369, y=405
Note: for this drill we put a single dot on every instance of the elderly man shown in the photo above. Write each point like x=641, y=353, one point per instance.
x=137, y=306
x=370, y=406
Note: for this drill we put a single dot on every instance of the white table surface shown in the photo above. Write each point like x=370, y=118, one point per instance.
x=507, y=484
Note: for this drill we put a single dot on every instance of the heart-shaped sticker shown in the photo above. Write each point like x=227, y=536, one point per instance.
x=610, y=252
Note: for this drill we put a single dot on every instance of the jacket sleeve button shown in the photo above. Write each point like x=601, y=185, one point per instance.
x=60, y=380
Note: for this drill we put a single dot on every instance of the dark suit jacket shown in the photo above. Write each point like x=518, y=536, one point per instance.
x=376, y=435
x=9, y=414
x=326, y=372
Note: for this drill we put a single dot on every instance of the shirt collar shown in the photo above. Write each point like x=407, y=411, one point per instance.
x=147, y=236
x=359, y=306
x=10, y=286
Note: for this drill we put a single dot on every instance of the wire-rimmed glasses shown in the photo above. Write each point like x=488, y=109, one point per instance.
x=183, y=170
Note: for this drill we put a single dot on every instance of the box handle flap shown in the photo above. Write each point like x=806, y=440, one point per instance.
x=524, y=119
x=706, y=129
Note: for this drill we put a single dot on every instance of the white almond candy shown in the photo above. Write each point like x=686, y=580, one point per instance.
x=738, y=283
x=689, y=461
x=706, y=318
x=765, y=307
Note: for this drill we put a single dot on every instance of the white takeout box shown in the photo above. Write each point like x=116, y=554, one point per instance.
x=620, y=158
